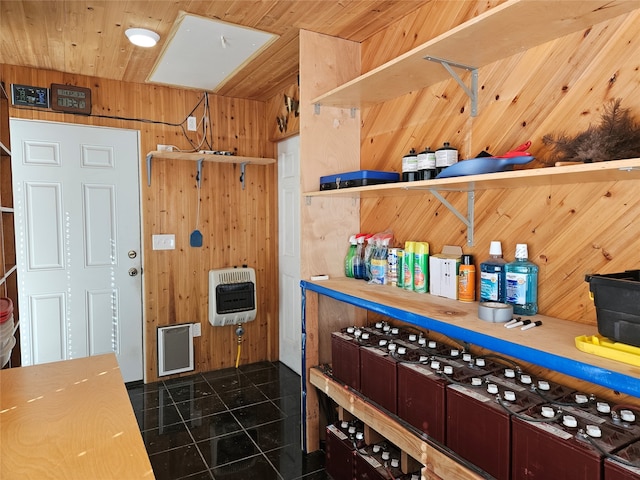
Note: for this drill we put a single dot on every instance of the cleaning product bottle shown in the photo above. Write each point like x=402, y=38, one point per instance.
x=522, y=283
x=379, y=262
x=348, y=259
x=358, y=259
x=492, y=276
x=421, y=267
x=408, y=265
x=410, y=166
x=427, y=164
x=467, y=279
x=368, y=254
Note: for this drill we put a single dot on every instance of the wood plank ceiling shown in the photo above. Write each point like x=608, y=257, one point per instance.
x=87, y=37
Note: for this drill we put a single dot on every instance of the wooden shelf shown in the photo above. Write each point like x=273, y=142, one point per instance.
x=503, y=31
x=551, y=345
x=585, y=173
x=439, y=461
x=207, y=157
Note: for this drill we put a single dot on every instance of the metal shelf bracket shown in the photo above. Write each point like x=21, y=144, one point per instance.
x=472, y=91
x=243, y=165
x=468, y=221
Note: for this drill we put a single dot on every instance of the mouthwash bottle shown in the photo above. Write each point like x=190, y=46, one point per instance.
x=348, y=259
x=522, y=283
x=492, y=276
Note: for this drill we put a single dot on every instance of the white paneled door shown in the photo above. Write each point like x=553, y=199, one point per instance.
x=289, y=253
x=77, y=211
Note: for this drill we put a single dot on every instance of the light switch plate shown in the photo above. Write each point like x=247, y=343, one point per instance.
x=165, y=241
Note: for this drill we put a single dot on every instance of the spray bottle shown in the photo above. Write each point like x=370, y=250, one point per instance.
x=358, y=259
x=348, y=259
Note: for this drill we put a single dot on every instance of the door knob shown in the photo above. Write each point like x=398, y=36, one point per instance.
x=133, y=272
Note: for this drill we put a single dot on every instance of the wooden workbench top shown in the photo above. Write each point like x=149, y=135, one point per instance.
x=70, y=419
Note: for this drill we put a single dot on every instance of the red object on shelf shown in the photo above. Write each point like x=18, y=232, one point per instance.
x=6, y=309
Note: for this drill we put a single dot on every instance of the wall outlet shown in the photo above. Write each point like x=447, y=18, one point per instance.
x=164, y=242
x=164, y=148
x=196, y=328
x=191, y=124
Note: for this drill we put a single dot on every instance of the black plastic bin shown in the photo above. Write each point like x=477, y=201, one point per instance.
x=617, y=300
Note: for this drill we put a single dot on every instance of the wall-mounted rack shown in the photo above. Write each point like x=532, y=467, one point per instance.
x=207, y=157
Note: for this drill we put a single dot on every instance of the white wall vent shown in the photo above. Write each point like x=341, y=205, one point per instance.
x=232, y=296
x=175, y=349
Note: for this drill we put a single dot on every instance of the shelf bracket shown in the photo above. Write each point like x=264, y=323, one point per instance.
x=468, y=221
x=242, y=172
x=149, y=157
x=472, y=92
x=316, y=109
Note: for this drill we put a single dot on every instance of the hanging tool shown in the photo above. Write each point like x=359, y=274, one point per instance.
x=195, y=240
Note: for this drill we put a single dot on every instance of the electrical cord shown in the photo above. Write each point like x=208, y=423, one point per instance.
x=504, y=359
x=604, y=453
x=555, y=418
x=455, y=382
x=555, y=402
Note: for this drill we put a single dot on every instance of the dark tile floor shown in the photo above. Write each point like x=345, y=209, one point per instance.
x=232, y=424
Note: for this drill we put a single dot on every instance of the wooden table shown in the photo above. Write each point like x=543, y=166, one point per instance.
x=70, y=419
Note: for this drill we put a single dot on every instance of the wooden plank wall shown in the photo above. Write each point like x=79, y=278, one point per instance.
x=557, y=87
x=239, y=226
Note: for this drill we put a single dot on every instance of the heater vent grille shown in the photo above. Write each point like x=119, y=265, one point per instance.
x=232, y=296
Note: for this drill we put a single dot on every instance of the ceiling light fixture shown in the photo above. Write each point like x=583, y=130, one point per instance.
x=142, y=37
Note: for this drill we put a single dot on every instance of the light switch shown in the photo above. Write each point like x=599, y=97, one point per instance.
x=165, y=241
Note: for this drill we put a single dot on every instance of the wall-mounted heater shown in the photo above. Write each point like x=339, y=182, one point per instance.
x=175, y=349
x=232, y=296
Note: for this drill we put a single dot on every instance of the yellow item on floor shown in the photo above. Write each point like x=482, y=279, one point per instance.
x=603, y=347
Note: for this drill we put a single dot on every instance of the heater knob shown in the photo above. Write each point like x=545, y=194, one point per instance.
x=603, y=407
x=413, y=337
x=509, y=373
x=509, y=396
x=627, y=416
x=480, y=362
x=448, y=369
x=569, y=421
x=594, y=431
x=432, y=344
x=547, y=412
x=543, y=385
x=492, y=388
x=476, y=381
